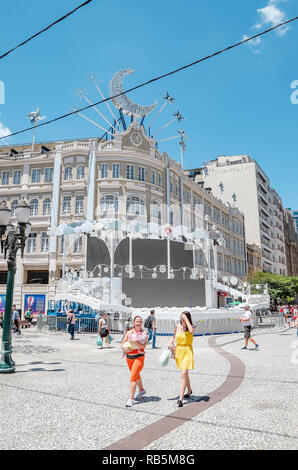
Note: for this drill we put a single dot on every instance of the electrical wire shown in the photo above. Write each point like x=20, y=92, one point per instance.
x=156, y=78
x=45, y=29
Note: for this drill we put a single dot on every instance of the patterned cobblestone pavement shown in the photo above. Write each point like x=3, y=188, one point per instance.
x=71, y=395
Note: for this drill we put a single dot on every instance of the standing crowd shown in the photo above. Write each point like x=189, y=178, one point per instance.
x=290, y=314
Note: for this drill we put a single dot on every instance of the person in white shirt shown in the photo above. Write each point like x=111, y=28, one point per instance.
x=246, y=319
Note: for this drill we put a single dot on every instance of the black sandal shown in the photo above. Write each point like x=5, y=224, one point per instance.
x=179, y=403
x=188, y=395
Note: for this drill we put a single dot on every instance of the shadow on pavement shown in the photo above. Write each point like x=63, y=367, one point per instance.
x=147, y=400
x=193, y=398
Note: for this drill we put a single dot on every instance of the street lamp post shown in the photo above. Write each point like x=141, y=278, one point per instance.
x=13, y=238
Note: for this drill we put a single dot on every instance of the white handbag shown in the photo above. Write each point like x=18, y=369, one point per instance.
x=163, y=359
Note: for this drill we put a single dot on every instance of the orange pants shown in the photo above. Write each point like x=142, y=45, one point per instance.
x=135, y=367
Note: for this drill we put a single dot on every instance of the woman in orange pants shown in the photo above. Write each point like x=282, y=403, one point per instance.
x=133, y=346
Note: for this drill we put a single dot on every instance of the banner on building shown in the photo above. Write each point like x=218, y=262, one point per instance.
x=2, y=302
x=36, y=302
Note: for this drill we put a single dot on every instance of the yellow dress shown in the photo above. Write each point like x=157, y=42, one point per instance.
x=184, y=351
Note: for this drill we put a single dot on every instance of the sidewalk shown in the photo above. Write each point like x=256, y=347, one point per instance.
x=71, y=395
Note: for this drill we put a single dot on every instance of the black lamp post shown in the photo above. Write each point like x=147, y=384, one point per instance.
x=13, y=238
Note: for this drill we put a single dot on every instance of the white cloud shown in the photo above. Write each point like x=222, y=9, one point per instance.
x=269, y=16
x=253, y=44
x=4, y=131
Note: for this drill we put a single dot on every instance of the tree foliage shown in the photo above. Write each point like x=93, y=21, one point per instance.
x=280, y=287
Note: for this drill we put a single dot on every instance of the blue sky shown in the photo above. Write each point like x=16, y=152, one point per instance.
x=236, y=103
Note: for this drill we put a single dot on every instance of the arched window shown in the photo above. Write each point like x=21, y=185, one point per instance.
x=156, y=212
x=135, y=205
x=13, y=206
x=34, y=207
x=46, y=206
x=109, y=204
x=68, y=173
x=80, y=172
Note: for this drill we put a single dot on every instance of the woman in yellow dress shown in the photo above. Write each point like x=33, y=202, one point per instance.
x=183, y=337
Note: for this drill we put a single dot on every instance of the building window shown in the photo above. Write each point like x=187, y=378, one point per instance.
x=35, y=175
x=62, y=244
x=141, y=173
x=31, y=243
x=109, y=205
x=13, y=206
x=66, y=207
x=80, y=172
x=171, y=221
x=17, y=177
x=5, y=177
x=104, y=171
x=46, y=206
x=68, y=173
x=156, y=212
x=44, y=242
x=130, y=172
x=77, y=246
x=116, y=170
x=159, y=179
x=79, y=209
x=34, y=207
x=153, y=177
x=135, y=205
x=48, y=175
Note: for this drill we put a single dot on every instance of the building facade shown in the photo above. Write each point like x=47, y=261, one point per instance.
x=254, y=258
x=291, y=243
x=240, y=181
x=77, y=180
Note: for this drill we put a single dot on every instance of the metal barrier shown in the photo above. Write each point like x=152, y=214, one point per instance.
x=208, y=326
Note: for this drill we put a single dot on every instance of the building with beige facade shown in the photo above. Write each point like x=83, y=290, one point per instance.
x=71, y=181
x=240, y=181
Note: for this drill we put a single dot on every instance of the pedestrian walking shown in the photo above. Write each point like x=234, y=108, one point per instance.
x=127, y=327
x=28, y=315
x=290, y=317
x=183, y=338
x=296, y=325
x=16, y=319
x=1, y=319
x=247, y=320
x=104, y=329
x=150, y=324
x=71, y=321
x=133, y=346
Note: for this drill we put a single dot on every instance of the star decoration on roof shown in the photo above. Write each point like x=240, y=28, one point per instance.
x=169, y=98
x=178, y=116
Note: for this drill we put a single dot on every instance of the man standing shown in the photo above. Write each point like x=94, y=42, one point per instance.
x=247, y=320
x=71, y=320
x=150, y=323
x=16, y=319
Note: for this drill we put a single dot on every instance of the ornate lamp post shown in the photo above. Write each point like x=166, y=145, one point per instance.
x=13, y=238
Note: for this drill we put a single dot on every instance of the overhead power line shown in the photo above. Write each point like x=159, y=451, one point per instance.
x=155, y=79
x=45, y=29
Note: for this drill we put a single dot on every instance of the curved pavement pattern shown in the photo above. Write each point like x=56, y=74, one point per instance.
x=142, y=438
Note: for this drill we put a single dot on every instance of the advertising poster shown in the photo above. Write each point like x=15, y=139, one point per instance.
x=2, y=302
x=36, y=302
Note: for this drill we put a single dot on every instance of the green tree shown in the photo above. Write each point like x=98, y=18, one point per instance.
x=279, y=286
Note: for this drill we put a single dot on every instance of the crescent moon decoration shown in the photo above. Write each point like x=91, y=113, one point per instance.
x=122, y=101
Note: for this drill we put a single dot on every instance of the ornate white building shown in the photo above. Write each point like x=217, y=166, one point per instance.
x=76, y=180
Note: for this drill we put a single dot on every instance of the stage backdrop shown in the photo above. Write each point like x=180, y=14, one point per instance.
x=165, y=292
x=146, y=253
